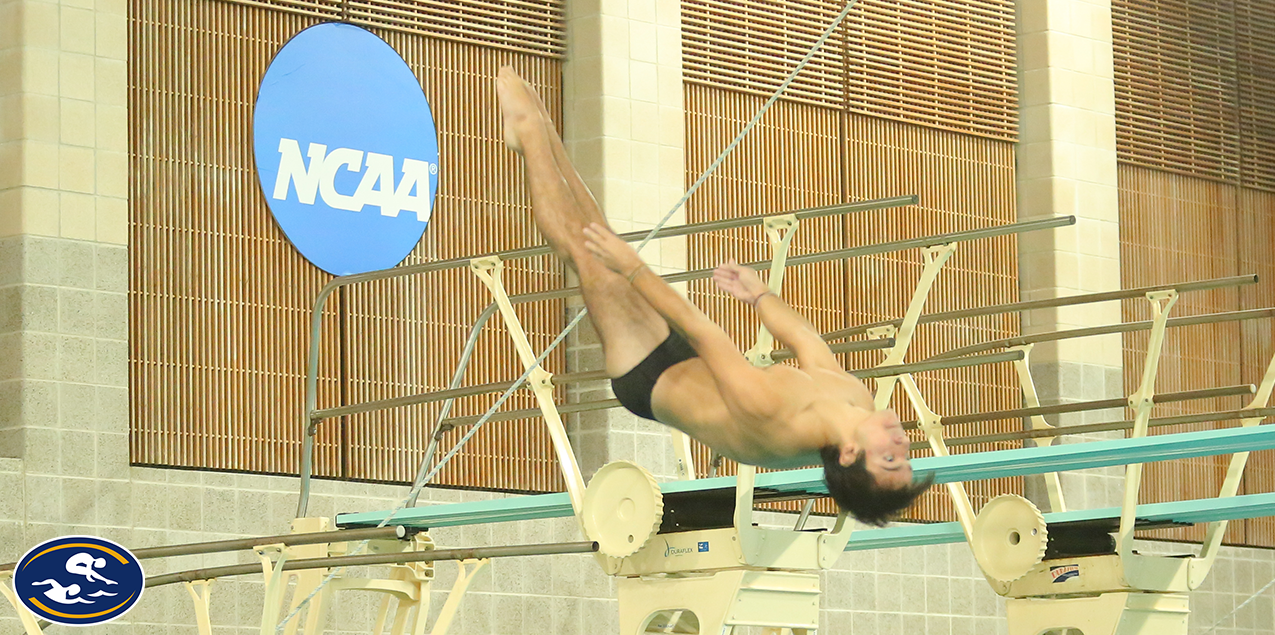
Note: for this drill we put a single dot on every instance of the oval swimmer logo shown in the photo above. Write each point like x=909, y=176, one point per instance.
x=346, y=149
x=78, y=580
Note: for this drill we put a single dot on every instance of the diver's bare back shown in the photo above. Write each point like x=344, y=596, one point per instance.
x=686, y=397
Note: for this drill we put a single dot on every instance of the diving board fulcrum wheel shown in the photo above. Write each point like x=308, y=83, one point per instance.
x=1009, y=538
x=623, y=507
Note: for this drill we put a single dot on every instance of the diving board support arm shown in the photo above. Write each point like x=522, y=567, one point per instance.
x=1201, y=565
x=932, y=424
x=1053, y=487
x=1142, y=401
x=464, y=576
x=780, y=231
x=489, y=271
x=25, y=616
x=201, y=594
x=935, y=257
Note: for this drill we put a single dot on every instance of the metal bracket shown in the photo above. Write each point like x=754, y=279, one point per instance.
x=932, y=424
x=489, y=270
x=276, y=586
x=464, y=576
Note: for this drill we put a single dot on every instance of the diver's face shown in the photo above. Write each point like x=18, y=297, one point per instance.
x=885, y=446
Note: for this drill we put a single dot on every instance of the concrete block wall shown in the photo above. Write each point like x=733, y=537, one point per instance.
x=622, y=109
x=1066, y=165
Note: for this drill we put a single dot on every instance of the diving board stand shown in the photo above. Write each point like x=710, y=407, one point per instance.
x=808, y=482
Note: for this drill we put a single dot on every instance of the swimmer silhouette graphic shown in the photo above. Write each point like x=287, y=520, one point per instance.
x=78, y=580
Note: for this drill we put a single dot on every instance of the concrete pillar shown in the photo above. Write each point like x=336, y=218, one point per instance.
x=1067, y=166
x=63, y=260
x=623, y=117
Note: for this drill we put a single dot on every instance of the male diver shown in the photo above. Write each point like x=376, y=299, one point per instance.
x=670, y=363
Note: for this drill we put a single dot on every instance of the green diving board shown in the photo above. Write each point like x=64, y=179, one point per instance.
x=1203, y=510
x=808, y=482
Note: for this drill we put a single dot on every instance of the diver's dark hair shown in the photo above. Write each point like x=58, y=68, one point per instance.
x=857, y=491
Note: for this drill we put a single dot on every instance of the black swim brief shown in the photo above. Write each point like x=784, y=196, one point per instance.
x=634, y=388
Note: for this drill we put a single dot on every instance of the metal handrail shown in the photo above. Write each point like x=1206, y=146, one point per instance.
x=1051, y=303
x=431, y=555
x=1225, y=415
x=1087, y=406
x=307, y=452
x=1053, y=336
x=879, y=371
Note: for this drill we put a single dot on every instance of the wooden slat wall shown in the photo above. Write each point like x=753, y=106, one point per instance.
x=754, y=44
x=1173, y=228
x=1176, y=85
x=1256, y=236
x=406, y=336
x=804, y=155
x=941, y=64
x=1194, y=103
x=220, y=302
x=528, y=26
x=1255, y=59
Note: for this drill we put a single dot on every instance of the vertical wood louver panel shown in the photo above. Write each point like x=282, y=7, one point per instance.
x=942, y=64
x=220, y=302
x=964, y=182
x=217, y=344
x=406, y=336
x=1256, y=230
x=1176, y=227
x=1255, y=57
x=1176, y=85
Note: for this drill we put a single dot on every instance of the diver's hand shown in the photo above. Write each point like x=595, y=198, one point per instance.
x=611, y=250
x=741, y=282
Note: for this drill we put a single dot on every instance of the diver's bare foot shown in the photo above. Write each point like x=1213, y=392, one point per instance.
x=518, y=108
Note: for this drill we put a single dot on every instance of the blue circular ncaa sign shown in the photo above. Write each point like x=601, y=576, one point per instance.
x=78, y=580
x=346, y=149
